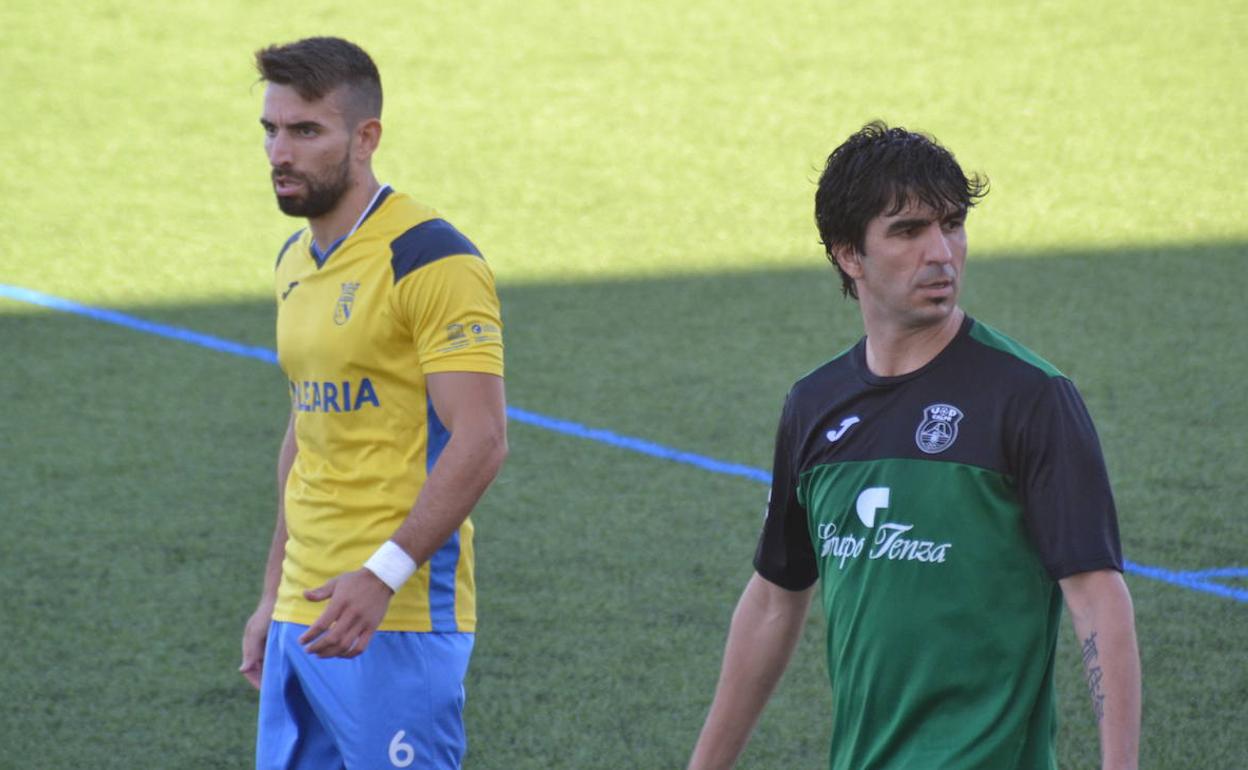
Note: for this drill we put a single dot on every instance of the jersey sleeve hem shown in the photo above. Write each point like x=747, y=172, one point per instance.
x=473, y=364
x=1067, y=569
x=787, y=582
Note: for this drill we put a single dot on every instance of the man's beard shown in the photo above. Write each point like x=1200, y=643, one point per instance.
x=320, y=194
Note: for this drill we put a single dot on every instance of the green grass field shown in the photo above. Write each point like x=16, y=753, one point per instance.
x=641, y=177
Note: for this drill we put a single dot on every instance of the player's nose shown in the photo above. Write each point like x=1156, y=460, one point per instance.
x=277, y=147
x=940, y=246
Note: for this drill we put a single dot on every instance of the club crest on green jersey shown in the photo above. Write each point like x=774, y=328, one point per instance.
x=342, y=308
x=939, y=428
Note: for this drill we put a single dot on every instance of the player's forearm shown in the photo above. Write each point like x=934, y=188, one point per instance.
x=735, y=710
x=764, y=631
x=1103, y=618
x=467, y=465
x=1120, y=724
x=1110, y=655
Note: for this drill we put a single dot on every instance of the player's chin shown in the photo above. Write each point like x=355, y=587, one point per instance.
x=292, y=205
x=933, y=310
x=940, y=300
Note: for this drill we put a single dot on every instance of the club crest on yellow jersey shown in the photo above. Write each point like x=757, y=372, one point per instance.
x=342, y=308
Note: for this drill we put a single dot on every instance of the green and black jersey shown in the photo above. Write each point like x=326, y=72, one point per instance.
x=938, y=509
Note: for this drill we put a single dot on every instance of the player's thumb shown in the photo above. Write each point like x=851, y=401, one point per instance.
x=321, y=593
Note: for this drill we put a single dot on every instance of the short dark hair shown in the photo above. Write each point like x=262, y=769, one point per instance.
x=315, y=66
x=880, y=170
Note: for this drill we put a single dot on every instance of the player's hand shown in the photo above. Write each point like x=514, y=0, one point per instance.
x=357, y=603
x=255, y=634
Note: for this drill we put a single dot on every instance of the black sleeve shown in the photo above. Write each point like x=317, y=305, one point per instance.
x=785, y=555
x=1067, y=502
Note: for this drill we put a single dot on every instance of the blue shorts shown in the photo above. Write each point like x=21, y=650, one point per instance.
x=399, y=704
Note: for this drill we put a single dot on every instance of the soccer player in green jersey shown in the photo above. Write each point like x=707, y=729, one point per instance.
x=388, y=331
x=942, y=490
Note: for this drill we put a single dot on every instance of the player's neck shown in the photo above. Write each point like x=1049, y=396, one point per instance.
x=337, y=223
x=894, y=350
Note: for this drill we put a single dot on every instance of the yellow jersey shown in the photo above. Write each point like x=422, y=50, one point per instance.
x=359, y=327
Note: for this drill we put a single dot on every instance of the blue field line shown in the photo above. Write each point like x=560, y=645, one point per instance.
x=1224, y=572
x=1188, y=579
x=1197, y=580
x=638, y=445
x=137, y=324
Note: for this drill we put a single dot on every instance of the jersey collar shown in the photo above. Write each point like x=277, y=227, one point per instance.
x=320, y=257
x=859, y=358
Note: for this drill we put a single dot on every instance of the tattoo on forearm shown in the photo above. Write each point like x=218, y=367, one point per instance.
x=1094, y=676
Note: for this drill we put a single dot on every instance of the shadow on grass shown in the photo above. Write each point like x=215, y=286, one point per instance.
x=136, y=477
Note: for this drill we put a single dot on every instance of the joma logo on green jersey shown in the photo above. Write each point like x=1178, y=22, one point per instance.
x=888, y=542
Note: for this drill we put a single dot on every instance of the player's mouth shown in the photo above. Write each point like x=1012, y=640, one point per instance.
x=940, y=291
x=286, y=184
x=944, y=284
x=937, y=279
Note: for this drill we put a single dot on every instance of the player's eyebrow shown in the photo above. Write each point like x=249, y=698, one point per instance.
x=293, y=126
x=898, y=226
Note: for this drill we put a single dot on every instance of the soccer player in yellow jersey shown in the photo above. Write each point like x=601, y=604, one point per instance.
x=389, y=332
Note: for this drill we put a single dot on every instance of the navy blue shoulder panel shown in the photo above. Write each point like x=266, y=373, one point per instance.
x=289, y=242
x=427, y=242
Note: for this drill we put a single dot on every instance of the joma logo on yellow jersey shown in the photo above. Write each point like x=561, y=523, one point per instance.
x=325, y=396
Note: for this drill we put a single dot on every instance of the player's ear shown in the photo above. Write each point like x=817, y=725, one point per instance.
x=367, y=137
x=848, y=259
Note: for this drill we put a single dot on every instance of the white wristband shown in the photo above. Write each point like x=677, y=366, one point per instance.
x=391, y=565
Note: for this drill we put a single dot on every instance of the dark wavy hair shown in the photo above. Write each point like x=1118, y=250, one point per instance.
x=879, y=171
x=315, y=66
